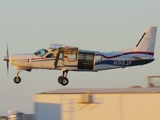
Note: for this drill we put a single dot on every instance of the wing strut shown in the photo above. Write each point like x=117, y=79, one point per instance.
x=56, y=61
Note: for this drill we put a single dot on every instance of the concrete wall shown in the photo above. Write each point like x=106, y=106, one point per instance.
x=129, y=106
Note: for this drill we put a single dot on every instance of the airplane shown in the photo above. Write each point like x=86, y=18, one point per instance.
x=69, y=58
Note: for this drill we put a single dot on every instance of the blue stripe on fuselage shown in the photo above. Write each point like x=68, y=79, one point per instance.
x=124, y=62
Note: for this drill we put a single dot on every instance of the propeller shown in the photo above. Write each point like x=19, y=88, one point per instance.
x=6, y=58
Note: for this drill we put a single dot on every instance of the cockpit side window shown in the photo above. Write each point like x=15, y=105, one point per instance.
x=41, y=52
x=50, y=55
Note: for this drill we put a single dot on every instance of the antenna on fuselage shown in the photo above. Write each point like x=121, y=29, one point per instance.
x=105, y=50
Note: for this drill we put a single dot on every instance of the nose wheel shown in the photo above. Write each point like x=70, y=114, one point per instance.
x=63, y=80
x=17, y=79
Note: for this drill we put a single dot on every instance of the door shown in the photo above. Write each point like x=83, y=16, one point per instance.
x=45, y=62
x=86, y=60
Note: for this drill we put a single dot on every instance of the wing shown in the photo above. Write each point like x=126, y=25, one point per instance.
x=62, y=47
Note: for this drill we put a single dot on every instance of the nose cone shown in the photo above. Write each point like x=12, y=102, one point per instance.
x=6, y=58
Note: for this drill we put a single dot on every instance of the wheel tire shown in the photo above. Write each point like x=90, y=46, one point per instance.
x=17, y=80
x=60, y=79
x=64, y=81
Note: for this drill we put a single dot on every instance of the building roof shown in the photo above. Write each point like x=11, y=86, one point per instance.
x=103, y=90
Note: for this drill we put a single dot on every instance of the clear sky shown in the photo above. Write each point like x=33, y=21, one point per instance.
x=103, y=25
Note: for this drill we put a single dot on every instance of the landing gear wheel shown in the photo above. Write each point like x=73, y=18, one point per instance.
x=17, y=80
x=64, y=81
x=60, y=79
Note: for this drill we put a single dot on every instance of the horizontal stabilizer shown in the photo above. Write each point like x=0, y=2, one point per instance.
x=138, y=58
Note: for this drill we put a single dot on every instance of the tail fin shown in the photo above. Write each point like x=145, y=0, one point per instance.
x=147, y=41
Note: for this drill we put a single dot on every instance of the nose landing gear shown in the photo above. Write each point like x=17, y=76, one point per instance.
x=17, y=79
x=63, y=80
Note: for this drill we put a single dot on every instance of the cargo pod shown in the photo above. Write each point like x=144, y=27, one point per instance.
x=86, y=60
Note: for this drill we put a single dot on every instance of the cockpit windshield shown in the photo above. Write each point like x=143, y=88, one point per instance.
x=41, y=52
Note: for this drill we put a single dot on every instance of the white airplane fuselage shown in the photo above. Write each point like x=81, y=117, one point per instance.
x=101, y=61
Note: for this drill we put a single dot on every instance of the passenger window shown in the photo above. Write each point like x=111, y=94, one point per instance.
x=61, y=55
x=51, y=55
x=98, y=58
x=72, y=56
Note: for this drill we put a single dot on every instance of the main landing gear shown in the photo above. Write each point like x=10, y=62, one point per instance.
x=63, y=80
x=17, y=79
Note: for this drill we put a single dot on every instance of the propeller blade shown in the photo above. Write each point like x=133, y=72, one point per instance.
x=7, y=51
x=7, y=67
